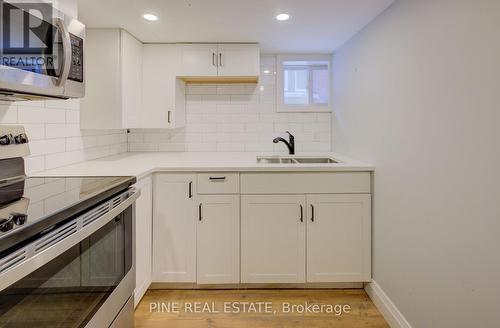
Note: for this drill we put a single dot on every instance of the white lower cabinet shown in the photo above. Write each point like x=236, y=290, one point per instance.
x=232, y=230
x=174, y=228
x=339, y=238
x=143, y=237
x=273, y=243
x=218, y=239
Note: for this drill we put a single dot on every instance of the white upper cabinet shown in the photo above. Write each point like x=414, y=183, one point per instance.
x=114, y=80
x=142, y=86
x=163, y=95
x=220, y=62
x=239, y=60
x=198, y=59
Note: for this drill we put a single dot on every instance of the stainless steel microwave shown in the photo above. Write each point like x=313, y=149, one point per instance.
x=41, y=52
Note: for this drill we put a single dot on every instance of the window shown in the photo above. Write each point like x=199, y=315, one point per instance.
x=303, y=83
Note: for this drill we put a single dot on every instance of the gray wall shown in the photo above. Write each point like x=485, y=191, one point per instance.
x=417, y=93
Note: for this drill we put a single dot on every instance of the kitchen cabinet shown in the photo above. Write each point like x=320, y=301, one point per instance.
x=163, y=94
x=262, y=227
x=174, y=228
x=143, y=237
x=273, y=240
x=218, y=239
x=113, y=70
x=220, y=62
x=198, y=59
x=239, y=60
x=338, y=238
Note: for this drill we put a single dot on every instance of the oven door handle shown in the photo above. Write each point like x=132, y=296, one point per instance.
x=67, y=52
x=33, y=262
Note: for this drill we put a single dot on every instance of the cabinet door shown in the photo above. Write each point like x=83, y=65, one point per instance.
x=272, y=239
x=131, y=79
x=339, y=238
x=198, y=60
x=101, y=108
x=163, y=95
x=174, y=228
x=143, y=237
x=218, y=239
x=239, y=60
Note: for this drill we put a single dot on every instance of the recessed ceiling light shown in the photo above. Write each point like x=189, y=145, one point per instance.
x=283, y=17
x=150, y=17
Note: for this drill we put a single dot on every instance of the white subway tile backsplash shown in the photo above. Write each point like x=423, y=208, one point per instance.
x=47, y=146
x=245, y=99
x=77, y=143
x=230, y=127
x=199, y=147
x=143, y=147
x=230, y=146
x=317, y=127
x=72, y=116
x=201, y=89
x=35, y=131
x=55, y=136
x=8, y=114
x=245, y=118
x=230, y=108
x=237, y=117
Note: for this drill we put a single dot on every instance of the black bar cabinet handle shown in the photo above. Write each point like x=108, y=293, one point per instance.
x=199, y=212
x=217, y=178
x=190, y=189
x=312, y=213
x=301, y=213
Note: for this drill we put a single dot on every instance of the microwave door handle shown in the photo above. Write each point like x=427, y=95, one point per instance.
x=67, y=52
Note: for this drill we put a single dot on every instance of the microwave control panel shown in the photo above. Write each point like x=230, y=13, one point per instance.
x=76, y=72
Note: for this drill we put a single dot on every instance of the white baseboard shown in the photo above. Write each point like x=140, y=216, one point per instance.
x=384, y=304
x=140, y=291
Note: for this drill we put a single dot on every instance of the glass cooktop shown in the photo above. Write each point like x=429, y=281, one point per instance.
x=30, y=205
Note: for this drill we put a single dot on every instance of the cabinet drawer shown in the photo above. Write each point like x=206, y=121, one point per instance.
x=306, y=183
x=218, y=183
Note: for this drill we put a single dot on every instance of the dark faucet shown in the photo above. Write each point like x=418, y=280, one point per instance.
x=290, y=144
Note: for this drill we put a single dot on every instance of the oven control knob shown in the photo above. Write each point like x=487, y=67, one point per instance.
x=6, y=225
x=6, y=139
x=21, y=138
x=18, y=218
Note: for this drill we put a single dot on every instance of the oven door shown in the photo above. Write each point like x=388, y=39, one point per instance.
x=41, y=54
x=83, y=280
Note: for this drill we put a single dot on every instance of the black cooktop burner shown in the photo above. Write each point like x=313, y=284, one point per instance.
x=29, y=206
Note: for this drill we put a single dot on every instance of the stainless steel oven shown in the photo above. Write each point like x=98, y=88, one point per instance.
x=42, y=52
x=79, y=273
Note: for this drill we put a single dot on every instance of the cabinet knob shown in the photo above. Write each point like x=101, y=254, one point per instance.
x=6, y=139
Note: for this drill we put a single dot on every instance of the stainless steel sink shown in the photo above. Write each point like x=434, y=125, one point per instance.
x=296, y=160
x=319, y=160
x=275, y=160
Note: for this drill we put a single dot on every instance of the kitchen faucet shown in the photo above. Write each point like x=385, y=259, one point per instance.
x=290, y=144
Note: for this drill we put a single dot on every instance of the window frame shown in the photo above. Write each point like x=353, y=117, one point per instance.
x=280, y=83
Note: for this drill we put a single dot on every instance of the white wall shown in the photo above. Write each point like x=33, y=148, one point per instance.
x=237, y=117
x=417, y=93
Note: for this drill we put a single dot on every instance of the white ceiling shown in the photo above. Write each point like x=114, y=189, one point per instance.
x=314, y=26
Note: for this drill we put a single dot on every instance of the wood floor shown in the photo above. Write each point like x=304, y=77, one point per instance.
x=362, y=311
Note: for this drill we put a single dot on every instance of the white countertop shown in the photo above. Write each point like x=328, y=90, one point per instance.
x=140, y=164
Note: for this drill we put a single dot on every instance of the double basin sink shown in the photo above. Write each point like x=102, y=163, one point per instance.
x=295, y=160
